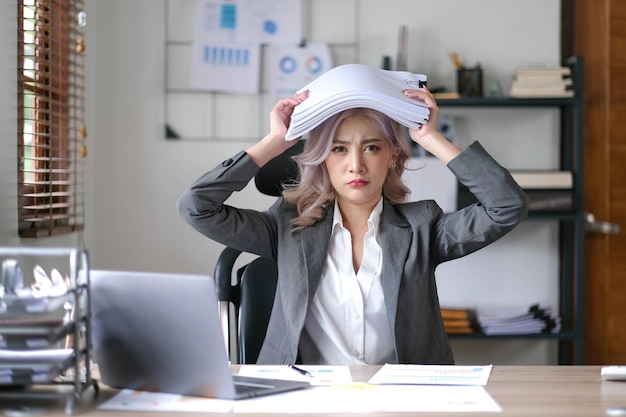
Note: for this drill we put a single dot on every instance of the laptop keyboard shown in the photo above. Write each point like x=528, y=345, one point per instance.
x=250, y=384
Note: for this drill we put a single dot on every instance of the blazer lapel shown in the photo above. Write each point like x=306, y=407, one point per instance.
x=314, y=241
x=396, y=235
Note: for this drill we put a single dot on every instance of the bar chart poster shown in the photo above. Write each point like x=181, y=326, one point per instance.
x=219, y=61
x=227, y=40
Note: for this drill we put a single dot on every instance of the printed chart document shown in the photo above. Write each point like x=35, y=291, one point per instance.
x=373, y=399
x=219, y=60
x=319, y=374
x=432, y=375
x=287, y=67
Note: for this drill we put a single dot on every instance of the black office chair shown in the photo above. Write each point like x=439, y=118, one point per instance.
x=248, y=292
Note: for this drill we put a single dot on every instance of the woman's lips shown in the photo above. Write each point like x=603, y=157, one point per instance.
x=357, y=183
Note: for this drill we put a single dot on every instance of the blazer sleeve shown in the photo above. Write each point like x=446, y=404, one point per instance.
x=202, y=206
x=501, y=206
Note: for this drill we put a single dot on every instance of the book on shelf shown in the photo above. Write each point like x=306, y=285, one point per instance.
x=550, y=200
x=446, y=95
x=460, y=320
x=357, y=85
x=532, y=82
x=543, y=179
x=547, y=190
x=517, y=91
x=543, y=72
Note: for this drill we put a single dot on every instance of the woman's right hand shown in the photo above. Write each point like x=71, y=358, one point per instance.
x=274, y=143
x=280, y=116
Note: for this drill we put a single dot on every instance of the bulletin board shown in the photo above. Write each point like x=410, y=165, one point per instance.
x=201, y=115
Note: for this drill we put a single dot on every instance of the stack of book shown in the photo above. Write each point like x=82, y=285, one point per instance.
x=460, y=320
x=547, y=190
x=533, y=82
x=537, y=318
x=357, y=85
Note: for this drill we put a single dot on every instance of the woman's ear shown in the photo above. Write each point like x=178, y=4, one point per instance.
x=394, y=159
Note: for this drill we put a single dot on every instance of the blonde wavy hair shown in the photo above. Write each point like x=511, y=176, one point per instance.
x=314, y=191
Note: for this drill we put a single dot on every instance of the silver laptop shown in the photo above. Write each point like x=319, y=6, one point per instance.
x=161, y=332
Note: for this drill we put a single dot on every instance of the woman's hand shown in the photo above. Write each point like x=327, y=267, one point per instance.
x=425, y=96
x=274, y=143
x=280, y=116
x=428, y=135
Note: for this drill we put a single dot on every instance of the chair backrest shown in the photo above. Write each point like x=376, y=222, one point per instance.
x=251, y=296
x=246, y=295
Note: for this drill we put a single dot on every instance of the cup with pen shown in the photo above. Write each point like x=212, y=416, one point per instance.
x=469, y=80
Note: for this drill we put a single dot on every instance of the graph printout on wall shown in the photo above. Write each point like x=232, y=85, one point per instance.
x=227, y=39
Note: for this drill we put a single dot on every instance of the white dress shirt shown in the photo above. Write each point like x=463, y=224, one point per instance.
x=346, y=323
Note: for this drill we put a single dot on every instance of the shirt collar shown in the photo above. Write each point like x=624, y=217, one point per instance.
x=372, y=223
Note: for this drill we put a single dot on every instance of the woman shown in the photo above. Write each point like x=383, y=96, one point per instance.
x=356, y=264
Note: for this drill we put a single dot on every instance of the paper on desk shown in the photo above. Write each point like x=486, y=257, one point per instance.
x=321, y=375
x=432, y=375
x=130, y=400
x=372, y=399
x=321, y=399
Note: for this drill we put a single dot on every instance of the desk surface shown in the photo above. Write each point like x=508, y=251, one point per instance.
x=520, y=390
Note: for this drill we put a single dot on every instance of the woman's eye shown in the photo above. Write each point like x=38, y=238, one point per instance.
x=372, y=148
x=339, y=149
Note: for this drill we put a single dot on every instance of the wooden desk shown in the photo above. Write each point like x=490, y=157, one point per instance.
x=520, y=390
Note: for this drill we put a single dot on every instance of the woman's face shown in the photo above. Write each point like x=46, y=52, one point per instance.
x=358, y=162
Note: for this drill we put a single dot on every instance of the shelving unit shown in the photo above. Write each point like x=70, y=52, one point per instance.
x=46, y=339
x=571, y=221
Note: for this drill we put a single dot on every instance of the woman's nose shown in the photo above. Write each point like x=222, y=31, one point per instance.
x=356, y=162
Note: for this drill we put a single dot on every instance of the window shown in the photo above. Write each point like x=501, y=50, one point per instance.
x=51, y=126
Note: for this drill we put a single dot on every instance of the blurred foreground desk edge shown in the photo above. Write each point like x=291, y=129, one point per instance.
x=519, y=390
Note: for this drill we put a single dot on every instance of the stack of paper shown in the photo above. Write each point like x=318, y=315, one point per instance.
x=357, y=85
x=535, y=319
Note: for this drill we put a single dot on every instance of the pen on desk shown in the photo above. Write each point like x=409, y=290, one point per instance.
x=300, y=370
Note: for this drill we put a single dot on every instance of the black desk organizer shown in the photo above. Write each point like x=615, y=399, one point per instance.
x=45, y=342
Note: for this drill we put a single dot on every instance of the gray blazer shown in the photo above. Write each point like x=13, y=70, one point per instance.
x=416, y=237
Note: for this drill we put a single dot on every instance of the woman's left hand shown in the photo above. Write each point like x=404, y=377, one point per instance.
x=430, y=126
x=428, y=135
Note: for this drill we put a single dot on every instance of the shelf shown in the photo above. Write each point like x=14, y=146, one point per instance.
x=563, y=205
x=550, y=336
x=506, y=102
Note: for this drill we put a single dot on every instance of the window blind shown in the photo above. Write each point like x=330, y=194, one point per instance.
x=51, y=119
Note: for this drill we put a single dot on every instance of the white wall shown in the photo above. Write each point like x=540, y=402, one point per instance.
x=135, y=174
x=8, y=124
